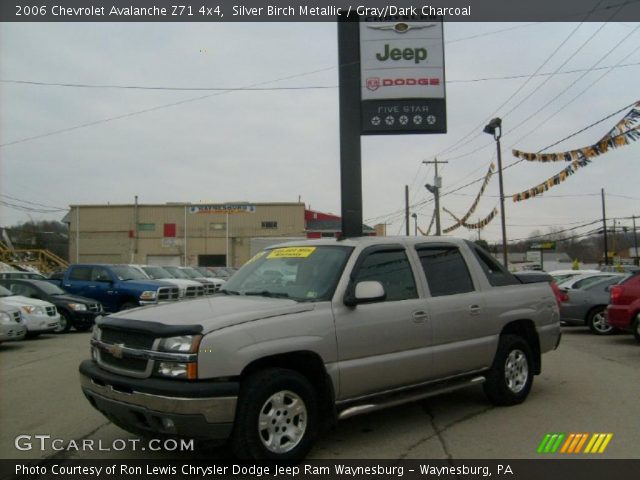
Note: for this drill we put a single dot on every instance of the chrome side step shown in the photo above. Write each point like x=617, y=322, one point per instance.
x=413, y=395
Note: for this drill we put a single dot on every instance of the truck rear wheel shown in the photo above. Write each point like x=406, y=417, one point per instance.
x=276, y=418
x=511, y=376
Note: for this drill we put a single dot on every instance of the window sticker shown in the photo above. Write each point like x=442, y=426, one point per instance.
x=291, y=252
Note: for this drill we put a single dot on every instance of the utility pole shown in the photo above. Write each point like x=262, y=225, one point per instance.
x=635, y=242
x=406, y=209
x=604, y=229
x=435, y=189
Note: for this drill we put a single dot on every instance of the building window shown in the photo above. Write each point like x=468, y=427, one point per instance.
x=270, y=224
x=146, y=227
x=218, y=226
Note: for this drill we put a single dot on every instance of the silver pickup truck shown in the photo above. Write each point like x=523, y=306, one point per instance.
x=310, y=332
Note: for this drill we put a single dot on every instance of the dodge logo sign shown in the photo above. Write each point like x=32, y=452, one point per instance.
x=373, y=83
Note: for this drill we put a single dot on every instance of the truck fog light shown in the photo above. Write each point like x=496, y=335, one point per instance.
x=178, y=370
x=168, y=424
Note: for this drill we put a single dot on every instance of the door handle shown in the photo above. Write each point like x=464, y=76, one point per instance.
x=92, y=286
x=420, y=316
x=67, y=284
x=474, y=309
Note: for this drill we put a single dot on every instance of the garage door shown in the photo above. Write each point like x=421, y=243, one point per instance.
x=170, y=260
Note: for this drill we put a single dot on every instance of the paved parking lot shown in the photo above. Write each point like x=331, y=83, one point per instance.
x=589, y=385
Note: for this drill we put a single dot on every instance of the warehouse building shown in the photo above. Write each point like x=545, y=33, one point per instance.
x=186, y=233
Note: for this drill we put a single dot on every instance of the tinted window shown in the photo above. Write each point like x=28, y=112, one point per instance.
x=24, y=290
x=392, y=270
x=446, y=271
x=80, y=273
x=100, y=274
x=497, y=274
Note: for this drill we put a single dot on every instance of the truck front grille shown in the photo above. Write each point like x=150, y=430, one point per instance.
x=168, y=294
x=17, y=317
x=51, y=311
x=126, y=338
x=95, y=307
x=209, y=289
x=130, y=364
x=194, y=291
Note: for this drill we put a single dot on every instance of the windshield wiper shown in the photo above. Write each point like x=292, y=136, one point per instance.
x=267, y=293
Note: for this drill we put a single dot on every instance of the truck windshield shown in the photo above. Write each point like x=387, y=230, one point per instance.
x=125, y=272
x=4, y=292
x=304, y=274
x=177, y=273
x=157, y=273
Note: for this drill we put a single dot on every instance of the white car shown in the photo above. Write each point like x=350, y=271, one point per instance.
x=578, y=282
x=38, y=316
x=202, y=277
x=563, y=275
x=188, y=288
x=11, y=325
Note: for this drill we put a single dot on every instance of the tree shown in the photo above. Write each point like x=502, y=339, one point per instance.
x=44, y=234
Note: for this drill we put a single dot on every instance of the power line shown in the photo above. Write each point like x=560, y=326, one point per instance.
x=32, y=203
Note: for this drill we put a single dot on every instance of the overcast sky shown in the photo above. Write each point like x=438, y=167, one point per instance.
x=279, y=145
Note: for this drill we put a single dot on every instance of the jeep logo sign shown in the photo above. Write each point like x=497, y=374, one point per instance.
x=402, y=75
x=415, y=54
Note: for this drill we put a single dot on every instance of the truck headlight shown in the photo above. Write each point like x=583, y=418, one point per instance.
x=77, y=307
x=148, y=295
x=5, y=319
x=182, y=344
x=34, y=310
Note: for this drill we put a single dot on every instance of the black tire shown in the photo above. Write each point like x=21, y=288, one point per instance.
x=636, y=328
x=65, y=323
x=269, y=396
x=597, y=321
x=511, y=376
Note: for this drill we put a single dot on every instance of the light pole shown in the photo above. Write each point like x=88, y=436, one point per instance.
x=494, y=127
x=415, y=224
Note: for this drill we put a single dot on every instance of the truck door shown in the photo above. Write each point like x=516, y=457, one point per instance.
x=456, y=311
x=77, y=279
x=101, y=288
x=383, y=345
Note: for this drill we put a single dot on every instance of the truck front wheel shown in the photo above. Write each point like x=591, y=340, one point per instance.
x=511, y=376
x=276, y=418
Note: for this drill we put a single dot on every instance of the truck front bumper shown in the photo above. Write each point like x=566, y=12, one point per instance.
x=202, y=409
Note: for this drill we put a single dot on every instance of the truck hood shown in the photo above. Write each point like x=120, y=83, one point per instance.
x=181, y=282
x=147, y=284
x=214, y=313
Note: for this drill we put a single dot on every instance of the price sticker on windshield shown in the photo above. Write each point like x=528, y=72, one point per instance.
x=291, y=252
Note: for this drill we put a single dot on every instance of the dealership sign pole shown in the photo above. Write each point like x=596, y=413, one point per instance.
x=391, y=75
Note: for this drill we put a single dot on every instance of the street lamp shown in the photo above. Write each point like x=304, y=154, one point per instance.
x=494, y=127
x=435, y=189
x=415, y=224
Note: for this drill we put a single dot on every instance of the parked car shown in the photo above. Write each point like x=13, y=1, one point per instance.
x=11, y=325
x=178, y=272
x=38, y=316
x=620, y=268
x=19, y=274
x=585, y=279
x=75, y=311
x=623, y=311
x=116, y=287
x=225, y=273
x=562, y=275
x=206, y=277
x=587, y=305
x=188, y=288
x=367, y=323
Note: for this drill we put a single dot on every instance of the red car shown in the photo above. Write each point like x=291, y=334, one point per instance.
x=623, y=311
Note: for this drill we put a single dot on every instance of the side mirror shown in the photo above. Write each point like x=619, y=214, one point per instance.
x=365, y=292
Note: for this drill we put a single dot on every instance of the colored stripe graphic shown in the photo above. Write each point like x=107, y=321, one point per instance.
x=573, y=443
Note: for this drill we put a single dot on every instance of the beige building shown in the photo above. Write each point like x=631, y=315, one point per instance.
x=177, y=233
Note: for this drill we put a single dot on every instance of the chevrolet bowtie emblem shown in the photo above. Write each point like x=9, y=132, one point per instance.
x=116, y=350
